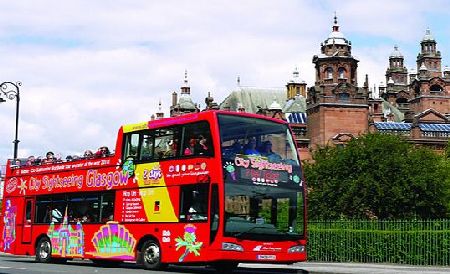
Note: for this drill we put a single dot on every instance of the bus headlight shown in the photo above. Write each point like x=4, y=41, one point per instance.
x=297, y=249
x=232, y=247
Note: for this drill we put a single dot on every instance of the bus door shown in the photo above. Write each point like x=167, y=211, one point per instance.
x=27, y=220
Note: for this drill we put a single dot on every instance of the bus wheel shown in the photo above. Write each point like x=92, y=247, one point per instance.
x=44, y=250
x=151, y=255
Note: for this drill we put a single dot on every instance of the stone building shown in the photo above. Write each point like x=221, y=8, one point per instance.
x=335, y=109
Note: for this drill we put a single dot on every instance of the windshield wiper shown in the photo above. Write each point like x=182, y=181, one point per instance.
x=240, y=234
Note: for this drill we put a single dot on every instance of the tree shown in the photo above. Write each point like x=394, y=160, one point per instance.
x=377, y=176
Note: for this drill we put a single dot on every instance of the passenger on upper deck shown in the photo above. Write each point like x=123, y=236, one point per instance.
x=103, y=151
x=88, y=154
x=30, y=161
x=50, y=158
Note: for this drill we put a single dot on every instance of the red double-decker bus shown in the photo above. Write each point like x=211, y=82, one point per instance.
x=215, y=187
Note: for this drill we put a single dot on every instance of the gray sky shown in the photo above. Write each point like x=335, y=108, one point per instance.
x=88, y=67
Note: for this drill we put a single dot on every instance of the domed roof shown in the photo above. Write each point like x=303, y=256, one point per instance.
x=391, y=82
x=185, y=102
x=428, y=36
x=336, y=37
x=396, y=53
x=275, y=105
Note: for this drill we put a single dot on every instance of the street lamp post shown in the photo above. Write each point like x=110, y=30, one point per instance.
x=10, y=91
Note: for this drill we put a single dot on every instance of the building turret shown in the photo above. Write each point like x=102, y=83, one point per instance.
x=210, y=104
x=412, y=75
x=336, y=95
x=174, y=98
x=160, y=113
x=397, y=70
x=186, y=89
x=185, y=103
x=336, y=64
x=296, y=86
x=429, y=56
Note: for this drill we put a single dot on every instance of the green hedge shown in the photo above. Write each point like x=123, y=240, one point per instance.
x=401, y=242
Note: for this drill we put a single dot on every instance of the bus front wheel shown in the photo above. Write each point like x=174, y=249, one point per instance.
x=151, y=255
x=44, y=250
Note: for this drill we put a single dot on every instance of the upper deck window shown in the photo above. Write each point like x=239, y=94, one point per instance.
x=169, y=143
x=256, y=137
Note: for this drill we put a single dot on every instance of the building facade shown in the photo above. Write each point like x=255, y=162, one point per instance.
x=414, y=104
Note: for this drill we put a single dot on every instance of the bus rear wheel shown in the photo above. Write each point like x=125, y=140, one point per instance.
x=151, y=255
x=44, y=250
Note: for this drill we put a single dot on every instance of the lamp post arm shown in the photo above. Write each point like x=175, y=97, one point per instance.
x=11, y=93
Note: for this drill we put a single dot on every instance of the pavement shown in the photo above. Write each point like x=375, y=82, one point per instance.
x=328, y=267
x=353, y=268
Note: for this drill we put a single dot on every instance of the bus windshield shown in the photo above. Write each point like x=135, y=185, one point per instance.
x=264, y=196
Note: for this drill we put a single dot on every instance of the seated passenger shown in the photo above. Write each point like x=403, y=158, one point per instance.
x=147, y=150
x=266, y=151
x=190, y=149
x=237, y=147
x=202, y=147
x=251, y=148
x=88, y=154
x=172, y=147
x=102, y=152
x=30, y=161
x=49, y=158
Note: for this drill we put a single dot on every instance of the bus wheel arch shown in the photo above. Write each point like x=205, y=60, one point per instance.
x=43, y=249
x=149, y=253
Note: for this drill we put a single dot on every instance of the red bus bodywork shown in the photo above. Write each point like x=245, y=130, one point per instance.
x=146, y=206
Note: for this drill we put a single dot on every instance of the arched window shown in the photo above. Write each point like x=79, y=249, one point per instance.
x=341, y=72
x=435, y=88
x=329, y=72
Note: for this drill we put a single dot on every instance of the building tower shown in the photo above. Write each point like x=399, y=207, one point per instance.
x=429, y=57
x=296, y=86
x=160, y=113
x=429, y=89
x=185, y=103
x=335, y=105
x=397, y=91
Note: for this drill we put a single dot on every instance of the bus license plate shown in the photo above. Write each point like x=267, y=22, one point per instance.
x=266, y=257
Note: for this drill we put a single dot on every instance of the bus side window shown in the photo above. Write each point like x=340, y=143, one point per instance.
x=84, y=208
x=197, y=140
x=107, y=208
x=146, y=147
x=131, y=146
x=194, y=203
x=42, y=210
x=58, y=208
